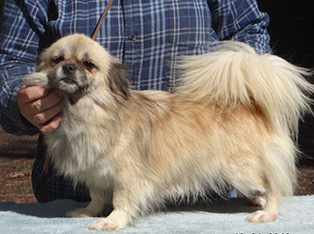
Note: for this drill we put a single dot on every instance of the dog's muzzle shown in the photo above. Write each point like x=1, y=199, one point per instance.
x=69, y=77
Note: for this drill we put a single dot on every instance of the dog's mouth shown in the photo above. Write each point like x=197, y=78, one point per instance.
x=72, y=84
x=69, y=81
x=75, y=89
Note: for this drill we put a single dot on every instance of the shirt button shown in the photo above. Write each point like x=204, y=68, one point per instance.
x=134, y=37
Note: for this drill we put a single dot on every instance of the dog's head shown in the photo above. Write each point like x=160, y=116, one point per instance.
x=78, y=65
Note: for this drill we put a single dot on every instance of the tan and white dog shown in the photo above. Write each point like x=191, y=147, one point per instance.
x=230, y=122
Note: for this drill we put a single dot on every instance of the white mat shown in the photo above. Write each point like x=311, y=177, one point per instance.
x=223, y=216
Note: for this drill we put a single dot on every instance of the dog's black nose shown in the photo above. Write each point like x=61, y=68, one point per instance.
x=69, y=68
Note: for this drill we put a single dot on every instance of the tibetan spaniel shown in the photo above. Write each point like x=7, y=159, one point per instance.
x=230, y=122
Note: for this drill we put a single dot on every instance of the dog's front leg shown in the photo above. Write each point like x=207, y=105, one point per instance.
x=129, y=199
x=125, y=207
x=94, y=208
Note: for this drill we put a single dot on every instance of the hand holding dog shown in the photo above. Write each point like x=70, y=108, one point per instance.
x=40, y=107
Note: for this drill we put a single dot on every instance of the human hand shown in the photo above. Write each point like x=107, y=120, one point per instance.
x=40, y=107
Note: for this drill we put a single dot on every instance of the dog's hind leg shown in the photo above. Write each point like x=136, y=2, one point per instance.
x=250, y=179
x=269, y=213
x=269, y=201
x=258, y=201
x=279, y=175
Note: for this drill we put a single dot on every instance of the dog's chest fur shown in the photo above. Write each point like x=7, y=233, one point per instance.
x=79, y=147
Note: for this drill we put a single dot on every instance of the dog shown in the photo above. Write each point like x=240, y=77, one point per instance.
x=231, y=121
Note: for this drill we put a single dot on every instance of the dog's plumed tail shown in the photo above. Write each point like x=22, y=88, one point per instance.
x=236, y=75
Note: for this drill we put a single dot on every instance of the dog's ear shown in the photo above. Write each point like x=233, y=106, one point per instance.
x=117, y=81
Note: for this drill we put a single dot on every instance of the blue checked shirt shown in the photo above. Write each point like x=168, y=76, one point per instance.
x=147, y=35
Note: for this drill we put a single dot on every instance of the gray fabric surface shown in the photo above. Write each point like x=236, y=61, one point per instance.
x=221, y=216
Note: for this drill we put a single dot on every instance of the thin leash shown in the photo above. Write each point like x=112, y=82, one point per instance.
x=101, y=19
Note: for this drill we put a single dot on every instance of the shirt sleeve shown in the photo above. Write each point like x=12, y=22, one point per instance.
x=241, y=20
x=20, y=33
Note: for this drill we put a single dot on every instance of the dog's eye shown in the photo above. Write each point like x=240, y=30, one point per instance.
x=89, y=65
x=58, y=59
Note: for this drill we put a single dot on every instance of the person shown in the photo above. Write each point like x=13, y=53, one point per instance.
x=147, y=36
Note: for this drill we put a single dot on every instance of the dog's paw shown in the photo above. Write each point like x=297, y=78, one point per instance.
x=107, y=224
x=117, y=219
x=258, y=202
x=81, y=213
x=261, y=216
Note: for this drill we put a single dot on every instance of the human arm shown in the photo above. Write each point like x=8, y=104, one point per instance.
x=21, y=32
x=241, y=20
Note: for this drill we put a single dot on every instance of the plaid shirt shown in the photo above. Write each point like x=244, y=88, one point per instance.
x=147, y=35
